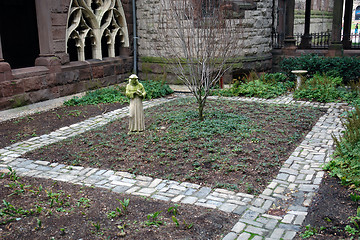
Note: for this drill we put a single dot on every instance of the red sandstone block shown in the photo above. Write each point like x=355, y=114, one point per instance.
x=109, y=70
x=97, y=71
x=59, y=32
x=84, y=74
x=59, y=46
x=59, y=19
x=12, y=88
x=40, y=95
x=32, y=83
x=5, y=103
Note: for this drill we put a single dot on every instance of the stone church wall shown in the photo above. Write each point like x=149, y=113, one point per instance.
x=53, y=75
x=256, y=31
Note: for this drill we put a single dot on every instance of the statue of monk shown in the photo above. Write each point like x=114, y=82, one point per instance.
x=136, y=92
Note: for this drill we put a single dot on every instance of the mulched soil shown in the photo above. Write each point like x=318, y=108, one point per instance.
x=330, y=211
x=80, y=212
x=33, y=125
x=244, y=160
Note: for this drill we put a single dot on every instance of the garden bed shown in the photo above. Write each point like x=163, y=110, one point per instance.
x=240, y=146
x=35, y=208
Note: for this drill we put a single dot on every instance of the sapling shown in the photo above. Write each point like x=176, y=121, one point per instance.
x=154, y=219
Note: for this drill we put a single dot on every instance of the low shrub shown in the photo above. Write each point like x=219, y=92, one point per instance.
x=321, y=88
x=325, y=88
x=154, y=89
x=346, y=67
x=269, y=85
x=346, y=162
x=103, y=95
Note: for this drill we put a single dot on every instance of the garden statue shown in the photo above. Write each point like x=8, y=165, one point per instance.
x=136, y=92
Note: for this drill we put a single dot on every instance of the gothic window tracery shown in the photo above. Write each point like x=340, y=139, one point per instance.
x=95, y=29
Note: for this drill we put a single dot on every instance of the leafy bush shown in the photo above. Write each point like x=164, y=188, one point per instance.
x=320, y=88
x=346, y=67
x=346, y=162
x=103, y=95
x=154, y=89
x=325, y=88
x=269, y=85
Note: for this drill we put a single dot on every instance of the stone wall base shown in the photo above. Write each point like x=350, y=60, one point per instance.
x=155, y=70
x=49, y=79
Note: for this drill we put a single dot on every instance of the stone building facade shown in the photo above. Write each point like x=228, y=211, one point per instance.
x=255, y=26
x=53, y=48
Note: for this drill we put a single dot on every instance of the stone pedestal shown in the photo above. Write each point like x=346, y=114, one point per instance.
x=5, y=72
x=299, y=75
x=50, y=61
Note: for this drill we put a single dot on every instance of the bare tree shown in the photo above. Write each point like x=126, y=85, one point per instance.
x=199, y=40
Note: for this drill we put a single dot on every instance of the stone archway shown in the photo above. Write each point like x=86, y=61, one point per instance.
x=357, y=13
x=95, y=25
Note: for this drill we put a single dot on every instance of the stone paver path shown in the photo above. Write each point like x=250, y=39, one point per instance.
x=290, y=193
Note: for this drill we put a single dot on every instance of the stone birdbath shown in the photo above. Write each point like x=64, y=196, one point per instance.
x=299, y=74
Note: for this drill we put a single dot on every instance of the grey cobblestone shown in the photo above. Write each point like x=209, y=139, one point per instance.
x=300, y=173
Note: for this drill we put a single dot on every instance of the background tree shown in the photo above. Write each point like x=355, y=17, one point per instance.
x=199, y=40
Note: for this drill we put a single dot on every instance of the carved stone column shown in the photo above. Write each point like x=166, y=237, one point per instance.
x=306, y=38
x=347, y=24
x=336, y=47
x=289, y=41
x=5, y=69
x=46, y=57
x=44, y=27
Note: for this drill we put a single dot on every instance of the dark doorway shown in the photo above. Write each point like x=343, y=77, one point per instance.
x=19, y=32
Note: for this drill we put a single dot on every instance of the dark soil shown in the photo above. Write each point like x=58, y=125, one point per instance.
x=240, y=146
x=79, y=212
x=20, y=129
x=330, y=211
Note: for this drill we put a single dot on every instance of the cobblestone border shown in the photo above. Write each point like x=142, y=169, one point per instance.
x=290, y=192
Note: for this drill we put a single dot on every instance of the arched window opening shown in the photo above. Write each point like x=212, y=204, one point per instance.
x=357, y=13
x=88, y=48
x=103, y=20
x=105, y=41
x=72, y=49
x=118, y=44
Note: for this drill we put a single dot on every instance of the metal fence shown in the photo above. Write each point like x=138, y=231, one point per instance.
x=318, y=40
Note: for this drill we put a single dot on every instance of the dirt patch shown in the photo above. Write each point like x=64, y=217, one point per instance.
x=330, y=211
x=58, y=210
x=20, y=129
x=240, y=146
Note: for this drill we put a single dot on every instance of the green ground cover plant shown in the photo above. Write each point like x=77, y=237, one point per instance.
x=47, y=209
x=154, y=89
x=328, y=88
x=320, y=88
x=346, y=162
x=238, y=146
x=269, y=85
